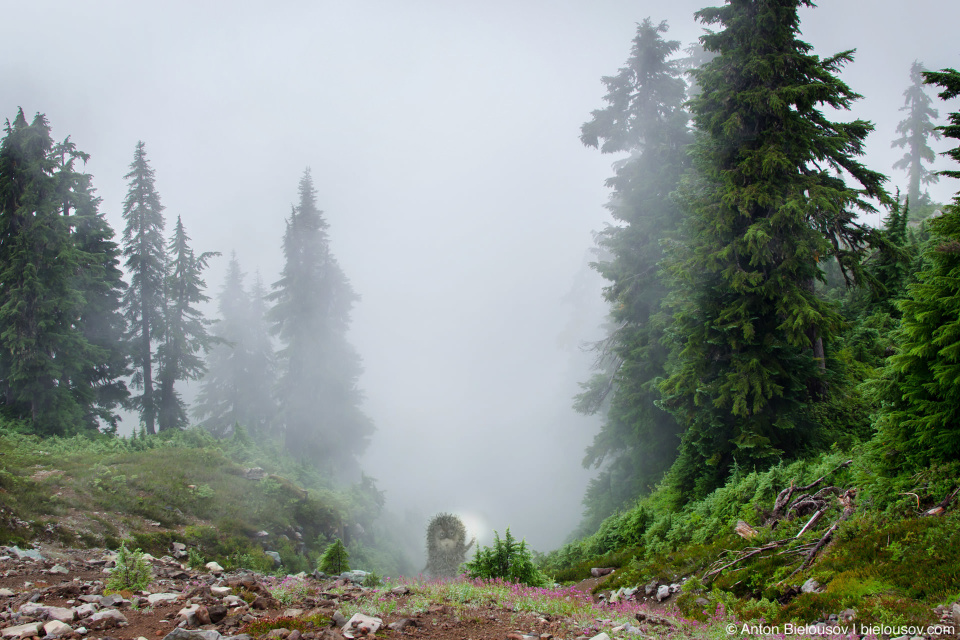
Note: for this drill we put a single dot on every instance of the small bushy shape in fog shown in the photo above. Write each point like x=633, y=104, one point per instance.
x=335, y=560
x=373, y=579
x=132, y=572
x=507, y=559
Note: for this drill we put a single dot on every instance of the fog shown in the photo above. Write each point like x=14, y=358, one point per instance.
x=443, y=142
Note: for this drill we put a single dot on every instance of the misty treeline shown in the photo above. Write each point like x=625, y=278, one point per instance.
x=79, y=342
x=753, y=317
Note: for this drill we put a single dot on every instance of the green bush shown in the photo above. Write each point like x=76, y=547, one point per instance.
x=132, y=572
x=508, y=560
x=335, y=560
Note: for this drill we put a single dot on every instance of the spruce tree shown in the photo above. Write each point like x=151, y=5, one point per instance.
x=915, y=130
x=99, y=386
x=318, y=398
x=768, y=211
x=185, y=335
x=42, y=350
x=146, y=262
x=643, y=117
x=236, y=388
x=920, y=421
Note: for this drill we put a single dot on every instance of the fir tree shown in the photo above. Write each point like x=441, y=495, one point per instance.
x=644, y=118
x=920, y=422
x=100, y=385
x=317, y=391
x=768, y=210
x=236, y=389
x=146, y=262
x=915, y=130
x=185, y=336
x=42, y=350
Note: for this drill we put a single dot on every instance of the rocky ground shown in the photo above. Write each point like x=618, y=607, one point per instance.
x=50, y=593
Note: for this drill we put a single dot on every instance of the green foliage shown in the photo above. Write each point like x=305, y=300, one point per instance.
x=637, y=441
x=319, y=399
x=335, y=559
x=146, y=261
x=766, y=212
x=131, y=573
x=372, y=580
x=185, y=335
x=195, y=560
x=507, y=560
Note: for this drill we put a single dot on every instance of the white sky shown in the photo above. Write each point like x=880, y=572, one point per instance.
x=443, y=139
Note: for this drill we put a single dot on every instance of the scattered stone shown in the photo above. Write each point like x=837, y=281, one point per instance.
x=702, y=602
x=663, y=592
x=273, y=554
x=650, y=588
x=6, y=593
x=213, y=567
x=402, y=590
x=598, y=572
x=810, y=586
x=220, y=592
x=58, y=568
x=157, y=598
x=338, y=618
x=361, y=625
x=22, y=630
x=56, y=628
x=357, y=576
x=194, y=634
x=32, y=554
x=600, y=636
x=254, y=473
x=87, y=609
x=292, y=613
x=107, y=618
x=113, y=600
x=402, y=624
x=955, y=610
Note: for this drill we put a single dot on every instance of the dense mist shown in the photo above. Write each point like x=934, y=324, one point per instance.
x=443, y=144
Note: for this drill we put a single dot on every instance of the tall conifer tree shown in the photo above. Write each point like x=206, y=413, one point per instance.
x=319, y=401
x=915, y=130
x=185, y=335
x=643, y=117
x=42, y=350
x=146, y=262
x=769, y=210
x=100, y=385
x=920, y=421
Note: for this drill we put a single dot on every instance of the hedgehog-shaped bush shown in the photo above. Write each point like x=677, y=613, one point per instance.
x=446, y=546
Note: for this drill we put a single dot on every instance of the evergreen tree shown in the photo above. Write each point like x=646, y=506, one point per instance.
x=768, y=211
x=920, y=422
x=644, y=118
x=100, y=385
x=185, y=335
x=318, y=397
x=915, y=130
x=146, y=262
x=42, y=351
x=236, y=389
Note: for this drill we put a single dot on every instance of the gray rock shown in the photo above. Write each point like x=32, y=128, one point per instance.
x=338, y=618
x=32, y=554
x=402, y=624
x=600, y=636
x=6, y=593
x=56, y=628
x=955, y=611
x=108, y=617
x=155, y=598
x=213, y=567
x=702, y=602
x=193, y=634
x=663, y=592
x=91, y=598
x=46, y=611
x=598, y=572
x=276, y=557
x=22, y=630
x=58, y=568
x=848, y=615
x=112, y=600
x=650, y=588
x=810, y=586
x=356, y=576
x=86, y=609
x=361, y=625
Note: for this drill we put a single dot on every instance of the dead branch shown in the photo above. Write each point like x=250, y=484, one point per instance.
x=842, y=465
x=940, y=508
x=846, y=500
x=813, y=519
